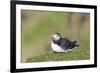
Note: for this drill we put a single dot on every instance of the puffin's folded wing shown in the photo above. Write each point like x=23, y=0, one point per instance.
x=65, y=43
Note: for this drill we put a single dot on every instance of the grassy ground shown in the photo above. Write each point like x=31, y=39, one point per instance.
x=77, y=54
x=36, y=33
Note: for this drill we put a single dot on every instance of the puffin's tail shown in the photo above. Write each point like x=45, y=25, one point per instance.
x=76, y=45
x=74, y=41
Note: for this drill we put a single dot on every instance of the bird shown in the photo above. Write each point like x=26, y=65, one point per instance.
x=62, y=44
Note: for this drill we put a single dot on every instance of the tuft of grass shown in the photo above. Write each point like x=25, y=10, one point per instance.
x=81, y=53
x=57, y=57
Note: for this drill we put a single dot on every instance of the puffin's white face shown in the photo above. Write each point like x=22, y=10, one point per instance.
x=56, y=37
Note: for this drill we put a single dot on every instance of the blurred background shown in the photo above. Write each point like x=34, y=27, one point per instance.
x=38, y=27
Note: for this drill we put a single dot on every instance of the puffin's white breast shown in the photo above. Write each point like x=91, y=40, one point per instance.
x=56, y=48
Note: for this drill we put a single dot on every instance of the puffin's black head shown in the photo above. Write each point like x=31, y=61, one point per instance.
x=56, y=36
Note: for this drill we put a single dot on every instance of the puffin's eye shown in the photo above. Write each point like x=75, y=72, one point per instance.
x=56, y=35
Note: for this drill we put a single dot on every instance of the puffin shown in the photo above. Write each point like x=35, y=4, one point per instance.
x=62, y=44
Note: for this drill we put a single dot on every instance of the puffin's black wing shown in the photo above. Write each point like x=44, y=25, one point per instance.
x=65, y=43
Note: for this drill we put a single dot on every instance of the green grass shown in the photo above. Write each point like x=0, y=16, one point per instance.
x=81, y=53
